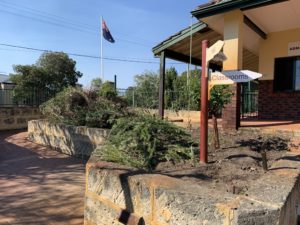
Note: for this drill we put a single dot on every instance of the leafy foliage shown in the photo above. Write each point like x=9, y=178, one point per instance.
x=75, y=107
x=107, y=90
x=137, y=140
x=104, y=112
x=51, y=74
x=188, y=91
x=143, y=141
x=145, y=92
x=65, y=107
x=96, y=84
x=181, y=92
x=220, y=96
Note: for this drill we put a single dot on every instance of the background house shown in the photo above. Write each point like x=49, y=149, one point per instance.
x=5, y=82
x=6, y=91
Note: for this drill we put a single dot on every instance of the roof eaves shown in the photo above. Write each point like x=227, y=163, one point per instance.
x=228, y=5
x=8, y=82
x=178, y=37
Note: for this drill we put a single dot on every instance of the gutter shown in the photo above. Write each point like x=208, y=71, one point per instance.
x=215, y=9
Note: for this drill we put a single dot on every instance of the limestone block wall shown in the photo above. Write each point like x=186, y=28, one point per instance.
x=77, y=141
x=188, y=118
x=120, y=195
x=12, y=118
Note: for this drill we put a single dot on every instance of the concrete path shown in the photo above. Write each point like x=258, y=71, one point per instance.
x=38, y=186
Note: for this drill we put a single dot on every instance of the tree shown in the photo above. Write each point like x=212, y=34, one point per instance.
x=170, y=92
x=50, y=74
x=187, y=89
x=108, y=90
x=180, y=92
x=130, y=96
x=145, y=92
x=219, y=97
x=96, y=84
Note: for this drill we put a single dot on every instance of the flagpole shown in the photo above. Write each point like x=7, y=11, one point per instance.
x=101, y=55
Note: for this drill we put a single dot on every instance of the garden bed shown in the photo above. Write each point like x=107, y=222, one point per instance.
x=234, y=166
x=232, y=188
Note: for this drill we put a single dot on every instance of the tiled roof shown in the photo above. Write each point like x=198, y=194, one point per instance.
x=213, y=2
x=215, y=7
x=196, y=27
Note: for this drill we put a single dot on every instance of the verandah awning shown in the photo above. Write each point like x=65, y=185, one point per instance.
x=177, y=46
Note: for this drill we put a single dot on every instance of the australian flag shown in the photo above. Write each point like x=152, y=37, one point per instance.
x=106, y=33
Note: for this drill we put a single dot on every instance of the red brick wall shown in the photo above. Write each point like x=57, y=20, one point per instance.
x=231, y=112
x=271, y=105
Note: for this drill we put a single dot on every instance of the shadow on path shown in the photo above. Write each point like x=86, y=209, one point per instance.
x=39, y=185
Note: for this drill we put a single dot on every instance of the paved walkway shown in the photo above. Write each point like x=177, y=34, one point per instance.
x=38, y=186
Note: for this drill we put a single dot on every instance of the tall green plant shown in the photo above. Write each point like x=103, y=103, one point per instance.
x=219, y=97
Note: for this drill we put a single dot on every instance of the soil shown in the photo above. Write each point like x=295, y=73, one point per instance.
x=234, y=166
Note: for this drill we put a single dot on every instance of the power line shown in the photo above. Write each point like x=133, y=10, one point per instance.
x=43, y=13
x=56, y=20
x=136, y=60
x=79, y=55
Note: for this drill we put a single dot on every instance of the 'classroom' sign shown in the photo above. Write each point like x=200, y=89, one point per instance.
x=233, y=76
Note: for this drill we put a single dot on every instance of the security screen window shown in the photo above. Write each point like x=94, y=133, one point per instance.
x=297, y=80
x=287, y=74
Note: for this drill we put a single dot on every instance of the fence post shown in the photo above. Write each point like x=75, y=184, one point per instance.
x=133, y=103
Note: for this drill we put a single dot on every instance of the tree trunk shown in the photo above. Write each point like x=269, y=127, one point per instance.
x=216, y=132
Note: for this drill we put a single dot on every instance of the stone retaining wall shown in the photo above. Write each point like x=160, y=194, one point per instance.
x=186, y=116
x=12, y=118
x=120, y=195
x=71, y=140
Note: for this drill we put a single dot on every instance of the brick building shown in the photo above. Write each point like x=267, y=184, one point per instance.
x=259, y=35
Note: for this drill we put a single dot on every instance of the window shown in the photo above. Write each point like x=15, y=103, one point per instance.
x=287, y=74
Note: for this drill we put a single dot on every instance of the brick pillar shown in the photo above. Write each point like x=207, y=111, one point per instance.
x=231, y=113
x=233, y=49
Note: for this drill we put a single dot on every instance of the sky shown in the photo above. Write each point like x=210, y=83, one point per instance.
x=73, y=26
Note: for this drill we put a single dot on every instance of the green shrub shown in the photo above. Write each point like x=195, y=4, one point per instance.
x=75, y=107
x=141, y=141
x=66, y=107
x=107, y=90
x=144, y=141
x=103, y=112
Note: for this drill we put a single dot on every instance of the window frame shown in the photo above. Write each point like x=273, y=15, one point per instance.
x=294, y=73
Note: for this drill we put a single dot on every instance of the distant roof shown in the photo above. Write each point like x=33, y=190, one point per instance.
x=4, y=78
x=220, y=6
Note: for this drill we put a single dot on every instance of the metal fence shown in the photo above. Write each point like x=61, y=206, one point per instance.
x=249, y=104
x=175, y=100
x=9, y=98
